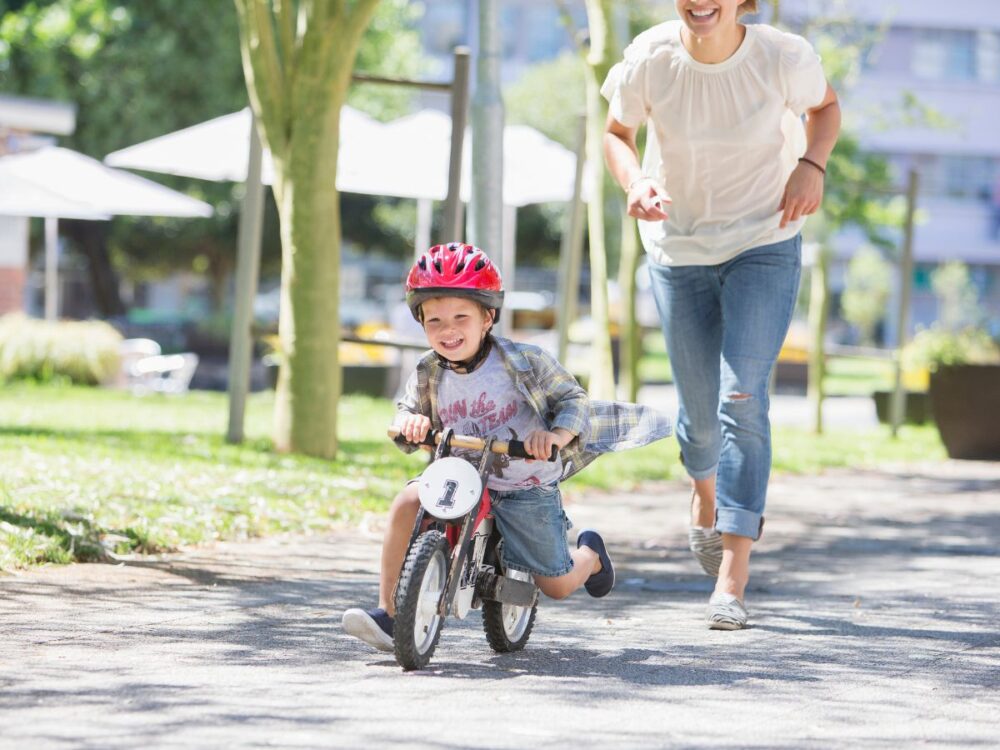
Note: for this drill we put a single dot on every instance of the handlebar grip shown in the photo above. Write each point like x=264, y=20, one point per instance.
x=516, y=449
x=430, y=439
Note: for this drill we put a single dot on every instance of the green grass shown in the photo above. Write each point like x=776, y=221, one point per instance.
x=857, y=376
x=86, y=473
x=845, y=376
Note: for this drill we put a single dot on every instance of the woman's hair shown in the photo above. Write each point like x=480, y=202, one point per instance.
x=749, y=6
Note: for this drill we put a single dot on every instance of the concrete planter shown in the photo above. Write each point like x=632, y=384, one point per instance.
x=917, y=407
x=965, y=400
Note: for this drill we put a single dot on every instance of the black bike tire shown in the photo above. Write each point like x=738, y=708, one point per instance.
x=411, y=578
x=497, y=636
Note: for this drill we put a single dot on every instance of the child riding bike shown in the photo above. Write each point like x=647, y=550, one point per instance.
x=487, y=386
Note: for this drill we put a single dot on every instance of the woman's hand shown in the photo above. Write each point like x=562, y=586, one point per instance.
x=803, y=194
x=646, y=200
x=414, y=427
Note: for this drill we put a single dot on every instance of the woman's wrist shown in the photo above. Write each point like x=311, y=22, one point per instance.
x=813, y=163
x=635, y=182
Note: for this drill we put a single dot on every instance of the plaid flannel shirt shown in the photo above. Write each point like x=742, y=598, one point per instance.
x=556, y=396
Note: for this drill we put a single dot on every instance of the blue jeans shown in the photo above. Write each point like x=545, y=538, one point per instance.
x=724, y=327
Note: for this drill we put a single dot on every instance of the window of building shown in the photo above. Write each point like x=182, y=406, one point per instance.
x=967, y=176
x=988, y=56
x=961, y=177
x=944, y=55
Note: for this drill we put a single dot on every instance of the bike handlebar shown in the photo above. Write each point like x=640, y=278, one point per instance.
x=513, y=448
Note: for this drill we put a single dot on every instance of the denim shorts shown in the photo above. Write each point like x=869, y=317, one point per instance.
x=533, y=525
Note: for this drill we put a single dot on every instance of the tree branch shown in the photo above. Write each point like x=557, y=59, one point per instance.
x=286, y=24
x=576, y=34
x=262, y=69
x=358, y=19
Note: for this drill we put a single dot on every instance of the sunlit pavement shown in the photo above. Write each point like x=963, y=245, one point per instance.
x=873, y=604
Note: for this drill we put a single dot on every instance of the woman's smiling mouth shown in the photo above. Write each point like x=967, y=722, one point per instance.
x=703, y=15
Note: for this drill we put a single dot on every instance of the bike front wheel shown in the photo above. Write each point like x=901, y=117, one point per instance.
x=421, y=585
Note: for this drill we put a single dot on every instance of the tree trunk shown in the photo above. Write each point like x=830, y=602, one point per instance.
x=91, y=239
x=602, y=381
x=220, y=269
x=298, y=67
x=630, y=341
x=309, y=382
x=819, y=307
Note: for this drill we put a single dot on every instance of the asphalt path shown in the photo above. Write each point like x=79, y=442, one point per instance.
x=874, y=605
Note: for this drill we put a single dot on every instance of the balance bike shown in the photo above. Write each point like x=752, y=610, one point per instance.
x=454, y=563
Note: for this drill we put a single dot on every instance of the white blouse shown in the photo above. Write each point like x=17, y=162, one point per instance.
x=722, y=138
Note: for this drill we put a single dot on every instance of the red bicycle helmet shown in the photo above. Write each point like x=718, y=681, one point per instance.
x=454, y=270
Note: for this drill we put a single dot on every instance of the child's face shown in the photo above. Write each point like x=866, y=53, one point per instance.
x=705, y=17
x=455, y=326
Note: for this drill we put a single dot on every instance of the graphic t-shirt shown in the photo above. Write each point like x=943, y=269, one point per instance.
x=486, y=403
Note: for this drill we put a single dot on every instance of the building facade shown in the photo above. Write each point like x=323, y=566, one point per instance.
x=928, y=99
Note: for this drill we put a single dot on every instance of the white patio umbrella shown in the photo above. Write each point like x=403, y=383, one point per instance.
x=218, y=150
x=100, y=188
x=20, y=197
x=58, y=183
x=536, y=169
x=408, y=158
x=227, y=149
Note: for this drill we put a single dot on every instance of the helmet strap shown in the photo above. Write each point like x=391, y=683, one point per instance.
x=470, y=364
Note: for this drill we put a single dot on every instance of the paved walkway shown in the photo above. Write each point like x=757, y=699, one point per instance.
x=875, y=605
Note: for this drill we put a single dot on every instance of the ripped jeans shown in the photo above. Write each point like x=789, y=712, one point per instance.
x=724, y=327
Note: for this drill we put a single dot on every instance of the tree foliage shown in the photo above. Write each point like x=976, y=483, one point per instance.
x=869, y=284
x=138, y=69
x=957, y=296
x=134, y=71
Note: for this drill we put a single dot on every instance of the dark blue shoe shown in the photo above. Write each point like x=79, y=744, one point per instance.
x=374, y=627
x=599, y=584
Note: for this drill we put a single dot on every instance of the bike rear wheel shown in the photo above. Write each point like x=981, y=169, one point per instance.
x=421, y=586
x=508, y=626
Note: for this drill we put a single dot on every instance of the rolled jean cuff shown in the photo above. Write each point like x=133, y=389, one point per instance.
x=704, y=473
x=739, y=522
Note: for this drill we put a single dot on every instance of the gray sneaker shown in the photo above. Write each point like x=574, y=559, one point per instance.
x=726, y=612
x=374, y=627
x=706, y=544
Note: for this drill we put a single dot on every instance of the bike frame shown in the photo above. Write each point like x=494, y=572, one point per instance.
x=460, y=532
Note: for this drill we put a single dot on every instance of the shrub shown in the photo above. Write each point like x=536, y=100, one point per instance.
x=79, y=352
x=958, y=336
x=938, y=345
